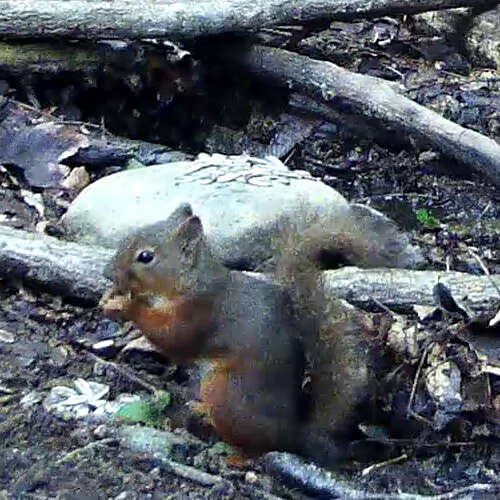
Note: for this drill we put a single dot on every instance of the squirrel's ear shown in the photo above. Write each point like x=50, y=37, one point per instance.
x=180, y=214
x=191, y=232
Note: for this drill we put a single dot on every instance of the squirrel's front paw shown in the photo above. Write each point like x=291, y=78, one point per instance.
x=237, y=460
x=113, y=304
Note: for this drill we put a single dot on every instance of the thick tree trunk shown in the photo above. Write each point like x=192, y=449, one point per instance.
x=134, y=19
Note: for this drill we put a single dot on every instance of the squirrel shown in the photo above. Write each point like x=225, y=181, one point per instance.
x=258, y=333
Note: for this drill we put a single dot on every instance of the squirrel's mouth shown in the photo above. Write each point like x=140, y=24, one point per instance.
x=117, y=305
x=113, y=304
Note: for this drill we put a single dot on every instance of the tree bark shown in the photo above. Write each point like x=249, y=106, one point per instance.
x=401, y=289
x=134, y=19
x=69, y=269
x=374, y=99
x=21, y=58
x=75, y=271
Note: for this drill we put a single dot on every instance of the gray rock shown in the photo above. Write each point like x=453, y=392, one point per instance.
x=483, y=39
x=241, y=201
x=441, y=22
x=6, y=336
x=105, y=348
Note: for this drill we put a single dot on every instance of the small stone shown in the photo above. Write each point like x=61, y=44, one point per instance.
x=155, y=473
x=31, y=399
x=126, y=495
x=6, y=337
x=428, y=156
x=141, y=344
x=251, y=477
x=41, y=226
x=105, y=348
x=161, y=444
x=77, y=179
x=101, y=431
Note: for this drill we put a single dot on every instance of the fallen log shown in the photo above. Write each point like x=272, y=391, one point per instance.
x=75, y=271
x=374, y=99
x=401, y=289
x=135, y=19
x=21, y=58
x=64, y=268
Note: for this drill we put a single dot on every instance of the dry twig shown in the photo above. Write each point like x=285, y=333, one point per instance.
x=410, y=411
x=74, y=453
x=124, y=372
x=380, y=465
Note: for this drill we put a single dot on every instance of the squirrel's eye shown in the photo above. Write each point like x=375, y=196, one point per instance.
x=145, y=256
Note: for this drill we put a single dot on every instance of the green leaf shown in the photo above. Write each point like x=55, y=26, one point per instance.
x=149, y=412
x=133, y=164
x=221, y=448
x=427, y=219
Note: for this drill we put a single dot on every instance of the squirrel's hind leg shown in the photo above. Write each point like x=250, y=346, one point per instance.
x=239, y=407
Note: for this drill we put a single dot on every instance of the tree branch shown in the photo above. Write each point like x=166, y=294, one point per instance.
x=374, y=99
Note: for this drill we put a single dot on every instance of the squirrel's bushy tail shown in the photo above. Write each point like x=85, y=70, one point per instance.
x=333, y=333
x=359, y=236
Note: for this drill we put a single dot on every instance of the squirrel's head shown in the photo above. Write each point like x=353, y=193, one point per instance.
x=165, y=279
x=167, y=258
